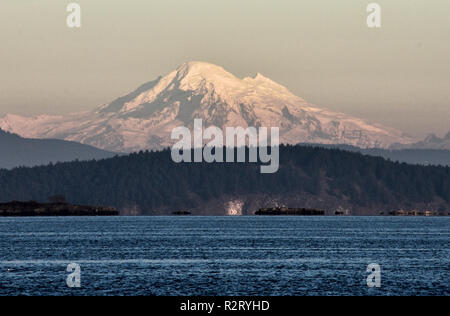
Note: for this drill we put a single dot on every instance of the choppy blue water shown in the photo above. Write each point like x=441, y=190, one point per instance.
x=225, y=255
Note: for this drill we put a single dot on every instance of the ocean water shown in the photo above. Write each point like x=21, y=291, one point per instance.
x=242, y=256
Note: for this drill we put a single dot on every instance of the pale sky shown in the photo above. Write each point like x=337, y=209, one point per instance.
x=322, y=50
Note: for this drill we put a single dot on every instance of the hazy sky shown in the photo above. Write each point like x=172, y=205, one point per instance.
x=322, y=50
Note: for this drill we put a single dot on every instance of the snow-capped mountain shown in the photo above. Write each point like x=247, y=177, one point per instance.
x=432, y=142
x=144, y=119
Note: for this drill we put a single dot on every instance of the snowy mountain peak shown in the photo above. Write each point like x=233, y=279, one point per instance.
x=209, y=85
x=202, y=69
x=260, y=78
x=144, y=118
x=194, y=76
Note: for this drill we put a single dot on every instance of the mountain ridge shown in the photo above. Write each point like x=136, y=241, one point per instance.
x=18, y=151
x=432, y=141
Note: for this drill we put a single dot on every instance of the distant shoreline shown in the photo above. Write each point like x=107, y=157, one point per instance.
x=35, y=209
x=62, y=209
x=282, y=215
x=279, y=211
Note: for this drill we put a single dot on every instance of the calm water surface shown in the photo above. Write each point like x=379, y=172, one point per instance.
x=225, y=255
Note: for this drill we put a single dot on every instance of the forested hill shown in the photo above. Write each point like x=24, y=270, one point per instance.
x=417, y=156
x=150, y=183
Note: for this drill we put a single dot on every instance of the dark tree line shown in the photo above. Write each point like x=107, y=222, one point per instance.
x=150, y=180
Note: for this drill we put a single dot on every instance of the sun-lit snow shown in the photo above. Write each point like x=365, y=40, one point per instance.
x=146, y=117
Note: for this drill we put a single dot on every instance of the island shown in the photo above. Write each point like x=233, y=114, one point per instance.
x=32, y=208
x=182, y=213
x=290, y=211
